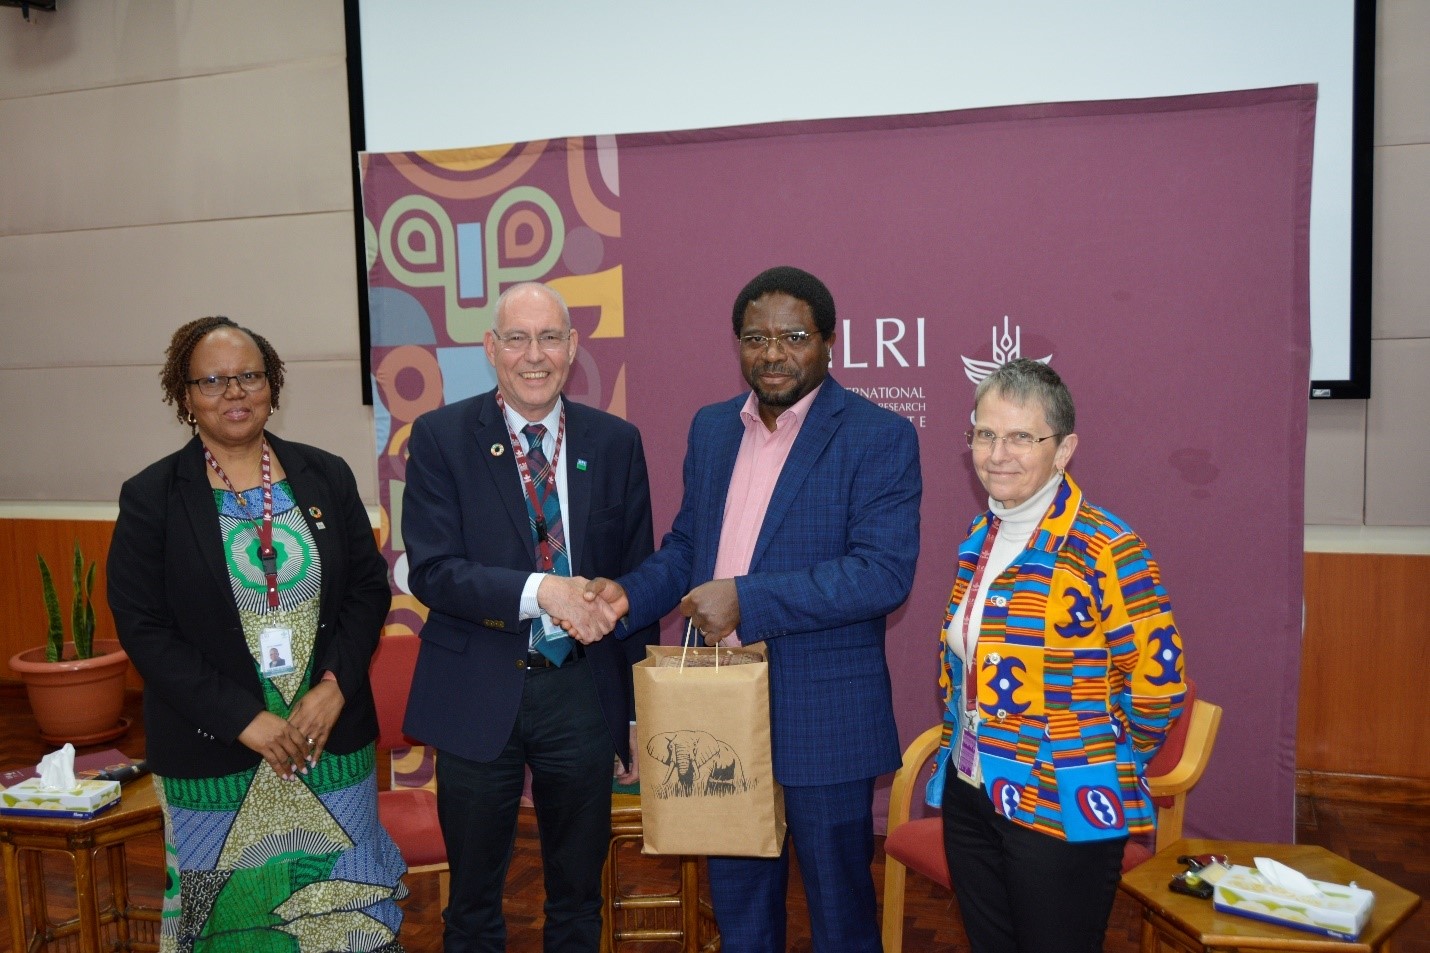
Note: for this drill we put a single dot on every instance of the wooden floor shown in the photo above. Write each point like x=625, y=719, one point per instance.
x=1390, y=841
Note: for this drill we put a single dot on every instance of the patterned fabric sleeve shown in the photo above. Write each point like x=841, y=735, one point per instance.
x=1143, y=640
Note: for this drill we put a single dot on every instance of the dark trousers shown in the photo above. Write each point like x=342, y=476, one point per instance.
x=1022, y=891
x=562, y=737
x=832, y=830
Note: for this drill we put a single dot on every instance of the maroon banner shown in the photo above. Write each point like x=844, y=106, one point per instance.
x=1153, y=251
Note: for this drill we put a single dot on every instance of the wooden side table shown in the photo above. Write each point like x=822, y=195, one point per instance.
x=678, y=915
x=1172, y=921
x=23, y=839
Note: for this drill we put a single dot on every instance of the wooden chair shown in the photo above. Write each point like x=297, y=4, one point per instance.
x=638, y=912
x=918, y=844
x=409, y=814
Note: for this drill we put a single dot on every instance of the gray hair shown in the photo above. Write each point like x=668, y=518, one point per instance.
x=524, y=286
x=1024, y=381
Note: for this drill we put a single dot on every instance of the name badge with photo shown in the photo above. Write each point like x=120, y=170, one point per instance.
x=276, y=651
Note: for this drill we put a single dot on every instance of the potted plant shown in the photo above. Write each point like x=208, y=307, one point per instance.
x=76, y=688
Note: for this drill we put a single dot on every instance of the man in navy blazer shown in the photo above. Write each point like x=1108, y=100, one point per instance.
x=490, y=700
x=799, y=528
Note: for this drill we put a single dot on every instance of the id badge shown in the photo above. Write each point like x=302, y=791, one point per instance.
x=276, y=651
x=967, y=752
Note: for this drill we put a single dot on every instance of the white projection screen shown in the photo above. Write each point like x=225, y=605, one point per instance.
x=458, y=73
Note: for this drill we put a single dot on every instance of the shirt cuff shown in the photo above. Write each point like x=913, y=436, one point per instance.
x=529, y=609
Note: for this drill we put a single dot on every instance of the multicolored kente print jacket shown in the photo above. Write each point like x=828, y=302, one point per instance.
x=1080, y=673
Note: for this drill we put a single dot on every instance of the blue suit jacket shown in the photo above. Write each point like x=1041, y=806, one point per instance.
x=470, y=550
x=835, y=555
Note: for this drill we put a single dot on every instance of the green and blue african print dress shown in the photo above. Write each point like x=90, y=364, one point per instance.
x=262, y=865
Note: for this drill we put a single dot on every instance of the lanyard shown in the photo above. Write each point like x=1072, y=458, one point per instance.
x=545, y=551
x=970, y=680
x=266, y=553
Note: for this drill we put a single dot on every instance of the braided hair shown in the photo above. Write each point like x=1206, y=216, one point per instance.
x=173, y=377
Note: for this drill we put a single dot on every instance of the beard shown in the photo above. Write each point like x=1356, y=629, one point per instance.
x=785, y=397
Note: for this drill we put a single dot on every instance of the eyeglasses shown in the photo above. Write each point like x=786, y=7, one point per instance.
x=789, y=340
x=216, y=384
x=1019, y=441
x=517, y=342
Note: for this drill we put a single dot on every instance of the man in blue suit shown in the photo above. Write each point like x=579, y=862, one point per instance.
x=799, y=528
x=512, y=497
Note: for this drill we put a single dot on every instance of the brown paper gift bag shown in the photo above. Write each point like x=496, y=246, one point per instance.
x=707, y=779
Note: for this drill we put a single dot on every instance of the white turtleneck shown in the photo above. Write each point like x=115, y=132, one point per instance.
x=1016, y=525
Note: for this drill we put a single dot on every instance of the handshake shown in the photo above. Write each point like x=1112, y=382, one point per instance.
x=587, y=609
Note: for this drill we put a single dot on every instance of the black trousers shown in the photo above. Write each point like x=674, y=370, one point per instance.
x=1022, y=891
x=561, y=736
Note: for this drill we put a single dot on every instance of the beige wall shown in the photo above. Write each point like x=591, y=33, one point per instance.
x=165, y=159
x=1369, y=461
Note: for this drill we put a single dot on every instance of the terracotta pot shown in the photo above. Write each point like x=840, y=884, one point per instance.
x=79, y=701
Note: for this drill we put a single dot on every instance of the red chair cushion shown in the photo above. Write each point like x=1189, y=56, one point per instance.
x=410, y=816
x=1170, y=753
x=918, y=845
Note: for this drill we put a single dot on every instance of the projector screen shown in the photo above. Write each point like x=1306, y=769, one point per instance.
x=456, y=73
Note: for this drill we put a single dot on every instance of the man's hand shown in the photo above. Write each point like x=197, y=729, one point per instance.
x=315, y=714
x=563, y=598
x=713, y=608
x=634, y=774
x=611, y=593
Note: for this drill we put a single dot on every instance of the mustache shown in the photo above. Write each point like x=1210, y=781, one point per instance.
x=775, y=369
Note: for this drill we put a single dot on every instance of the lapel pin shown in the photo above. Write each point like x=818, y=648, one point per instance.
x=314, y=512
x=581, y=465
x=498, y=449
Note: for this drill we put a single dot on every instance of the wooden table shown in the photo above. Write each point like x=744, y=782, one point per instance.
x=1173, y=921
x=22, y=839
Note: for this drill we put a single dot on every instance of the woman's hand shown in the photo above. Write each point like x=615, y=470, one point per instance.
x=315, y=714
x=283, y=746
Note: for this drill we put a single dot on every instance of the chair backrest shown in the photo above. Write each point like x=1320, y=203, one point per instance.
x=392, y=666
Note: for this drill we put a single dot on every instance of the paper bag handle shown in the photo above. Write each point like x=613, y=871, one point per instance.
x=691, y=633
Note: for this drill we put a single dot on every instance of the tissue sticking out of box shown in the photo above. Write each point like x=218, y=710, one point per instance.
x=56, y=769
x=1287, y=878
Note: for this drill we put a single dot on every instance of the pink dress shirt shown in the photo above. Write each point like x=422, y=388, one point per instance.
x=757, y=469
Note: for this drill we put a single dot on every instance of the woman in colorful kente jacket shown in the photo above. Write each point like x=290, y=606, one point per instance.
x=1062, y=670
x=239, y=549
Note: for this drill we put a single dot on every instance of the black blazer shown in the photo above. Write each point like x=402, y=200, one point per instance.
x=173, y=605
x=470, y=551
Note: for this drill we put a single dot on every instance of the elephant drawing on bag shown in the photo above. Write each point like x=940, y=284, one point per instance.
x=700, y=764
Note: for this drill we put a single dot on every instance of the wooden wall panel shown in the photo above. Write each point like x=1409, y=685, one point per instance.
x=21, y=605
x=1363, y=666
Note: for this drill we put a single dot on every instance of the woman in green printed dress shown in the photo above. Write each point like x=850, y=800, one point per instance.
x=236, y=552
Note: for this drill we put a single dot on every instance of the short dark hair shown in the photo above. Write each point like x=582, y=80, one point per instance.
x=795, y=282
x=172, y=376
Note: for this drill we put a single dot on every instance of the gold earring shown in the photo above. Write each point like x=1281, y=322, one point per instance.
x=191, y=419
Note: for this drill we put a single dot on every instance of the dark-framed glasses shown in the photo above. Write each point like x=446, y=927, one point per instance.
x=981, y=438
x=519, y=341
x=789, y=340
x=216, y=384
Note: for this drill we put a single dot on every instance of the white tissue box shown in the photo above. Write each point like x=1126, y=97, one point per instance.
x=88, y=796
x=1340, y=911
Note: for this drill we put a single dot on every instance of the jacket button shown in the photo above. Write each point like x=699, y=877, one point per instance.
x=521, y=663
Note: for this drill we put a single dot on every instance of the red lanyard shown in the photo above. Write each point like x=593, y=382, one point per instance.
x=266, y=553
x=545, y=552
x=970, y=673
